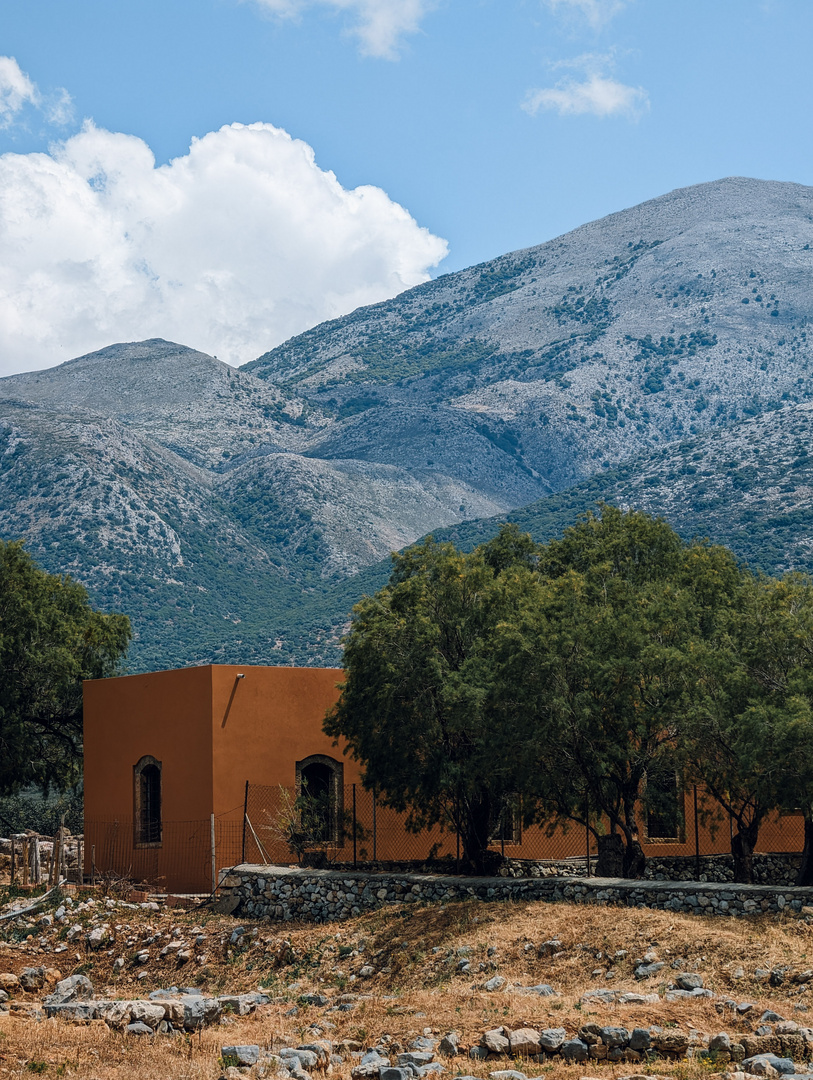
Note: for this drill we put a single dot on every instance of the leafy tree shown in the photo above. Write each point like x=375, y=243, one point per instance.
x=602, y=663
x=50, y=640
x=751, y=739
x=414, y=704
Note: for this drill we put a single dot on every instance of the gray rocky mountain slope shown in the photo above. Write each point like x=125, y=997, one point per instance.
x=212, y=504
x=677, y=316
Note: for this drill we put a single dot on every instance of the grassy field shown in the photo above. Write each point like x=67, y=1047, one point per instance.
x=415, y=989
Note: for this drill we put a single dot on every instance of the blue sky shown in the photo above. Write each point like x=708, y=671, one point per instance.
x=496, y=124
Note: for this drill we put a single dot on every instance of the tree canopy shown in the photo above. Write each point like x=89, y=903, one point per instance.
x=572, y=675
x=50, y=640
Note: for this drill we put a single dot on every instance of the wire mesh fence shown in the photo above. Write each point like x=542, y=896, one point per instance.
x=356, y=828
x=186, y=857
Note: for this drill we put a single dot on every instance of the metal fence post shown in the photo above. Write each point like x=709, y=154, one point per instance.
x=587, y=830
x=245, y=817
x=696, y=837
x=457, y=831
x=375, y=834
x=214, y=860
x=354, y=826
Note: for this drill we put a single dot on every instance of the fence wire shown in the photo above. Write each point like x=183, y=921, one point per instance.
x=355, y=829
x=183, y=859
x=361, y=831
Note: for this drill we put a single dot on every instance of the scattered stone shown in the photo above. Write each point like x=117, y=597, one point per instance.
x=74, y=988
x=551, y=1039
x=497, y=983
x=138, y=1029
x=574, y=1050
x=495, y=1041
x=240, y=1056
x=687, y=981
x=720, y=1043
x=646, y=971
x=507, y=1074
x=755, y=1065
x=449, y=1045
x=524, y=1042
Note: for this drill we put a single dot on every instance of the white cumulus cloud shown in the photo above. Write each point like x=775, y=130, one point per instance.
x=232, y=248
x=596, y=93
x=597, y=12
x=380, y=24
x=16, y=90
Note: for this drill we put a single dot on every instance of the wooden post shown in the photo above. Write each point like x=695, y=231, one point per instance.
x=80, y=861
x=60, y=854
x=24, y=860
x=696, y=838
x=92, y=864
x=35, y=858
x=13, y=859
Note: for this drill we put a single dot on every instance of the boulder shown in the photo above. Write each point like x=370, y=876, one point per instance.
x=640, y=1039
x=755, y=1065
x=551, y=1039
x=72, y=1010
x=689, y=981
x=74, y=988
x=138, y=1029
x=9, y=982
x=524, y=1042
x=574, y=1050
x=147, y=1012
x=497, y=983
x=116, y=1014
x=32, y=978
x=495, y=1041
x=449, y=1045
x=669, y=1042
x=240, y=1056
x=615, y=1036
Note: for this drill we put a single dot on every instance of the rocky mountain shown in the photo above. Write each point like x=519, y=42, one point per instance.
x=232, y=513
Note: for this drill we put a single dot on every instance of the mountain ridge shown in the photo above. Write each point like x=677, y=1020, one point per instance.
x=469, y=397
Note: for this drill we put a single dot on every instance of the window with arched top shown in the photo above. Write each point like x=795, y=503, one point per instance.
x=320, y=798
x=147, y=802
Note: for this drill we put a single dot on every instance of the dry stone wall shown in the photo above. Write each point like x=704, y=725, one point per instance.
x=284, y=893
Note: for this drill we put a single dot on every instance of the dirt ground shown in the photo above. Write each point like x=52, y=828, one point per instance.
x=415, y=988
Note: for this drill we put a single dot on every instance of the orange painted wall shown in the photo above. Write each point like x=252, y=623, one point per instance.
x=266, y=722
x=166, y=714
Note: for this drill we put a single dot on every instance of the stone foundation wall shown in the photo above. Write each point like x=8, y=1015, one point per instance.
x=769, y=869
x=283, y=893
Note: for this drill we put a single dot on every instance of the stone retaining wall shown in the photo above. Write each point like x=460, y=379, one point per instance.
x=283, y=893
x=780, y=868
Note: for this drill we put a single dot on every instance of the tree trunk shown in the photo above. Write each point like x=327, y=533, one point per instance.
x=634, y=863
x=805, y=875
x=610, y=861
x=742, y=850
x=474, y=833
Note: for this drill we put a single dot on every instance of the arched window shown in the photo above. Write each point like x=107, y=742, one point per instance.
x=320, y=795
x=147, y=802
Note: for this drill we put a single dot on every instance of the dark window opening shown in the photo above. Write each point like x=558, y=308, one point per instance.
x=664, y=803
x=320, y=799
x=507, y=824
x=147, y=801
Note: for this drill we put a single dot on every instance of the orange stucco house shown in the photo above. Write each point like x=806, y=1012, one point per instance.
x=166, y=751
x=187, y=772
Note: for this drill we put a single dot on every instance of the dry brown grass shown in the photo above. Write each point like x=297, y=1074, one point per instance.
x=421, y=988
